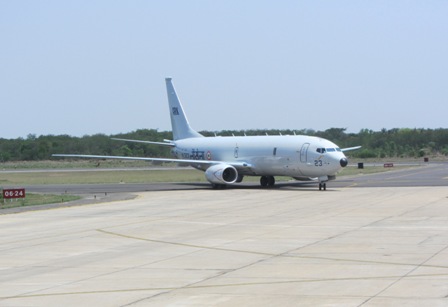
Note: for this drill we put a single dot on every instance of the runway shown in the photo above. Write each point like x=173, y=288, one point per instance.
x=366, y=241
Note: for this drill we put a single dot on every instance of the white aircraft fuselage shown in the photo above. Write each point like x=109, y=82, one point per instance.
x=294, y=156
x=226, y=160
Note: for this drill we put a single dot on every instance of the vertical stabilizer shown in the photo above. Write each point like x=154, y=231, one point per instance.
x=179, y=122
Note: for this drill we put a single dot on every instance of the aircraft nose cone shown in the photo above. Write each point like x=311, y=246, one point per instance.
x=343, y=162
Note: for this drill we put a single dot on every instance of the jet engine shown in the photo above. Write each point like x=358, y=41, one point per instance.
x=221, y=174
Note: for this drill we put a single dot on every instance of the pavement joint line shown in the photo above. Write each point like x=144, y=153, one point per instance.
x=225, y=285
x=185, y=244
x=286, y=255
x=405, y=275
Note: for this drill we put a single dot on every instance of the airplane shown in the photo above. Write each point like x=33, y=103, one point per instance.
x=227, y=160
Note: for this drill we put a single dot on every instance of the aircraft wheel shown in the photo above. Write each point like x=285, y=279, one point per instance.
x=240, y=178
x=322, y=186
x=264, y=181
x=267, y=181
x=271, y=181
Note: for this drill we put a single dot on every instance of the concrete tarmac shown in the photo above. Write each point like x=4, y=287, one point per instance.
x=348, y=246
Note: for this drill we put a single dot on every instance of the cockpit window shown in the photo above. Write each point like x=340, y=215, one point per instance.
x=324, y=150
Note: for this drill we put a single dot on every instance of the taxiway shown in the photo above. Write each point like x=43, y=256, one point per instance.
x=367, y=241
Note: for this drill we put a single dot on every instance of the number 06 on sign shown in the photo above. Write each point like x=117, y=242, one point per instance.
x=13, y=193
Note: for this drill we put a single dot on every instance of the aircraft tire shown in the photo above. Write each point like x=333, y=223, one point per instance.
x=267, y=181
x=271, y=181
x=264, y=181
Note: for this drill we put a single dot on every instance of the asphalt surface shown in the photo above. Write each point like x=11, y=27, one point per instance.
x=428, y=175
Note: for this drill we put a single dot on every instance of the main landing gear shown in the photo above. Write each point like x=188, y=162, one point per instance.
x=322, y=186
x=267, y=181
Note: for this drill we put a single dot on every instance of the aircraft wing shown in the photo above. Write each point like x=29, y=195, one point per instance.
x=187, y=161
x=168, y=143
x=350, y=148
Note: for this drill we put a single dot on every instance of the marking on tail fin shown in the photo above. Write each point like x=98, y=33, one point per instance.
x=179, y=122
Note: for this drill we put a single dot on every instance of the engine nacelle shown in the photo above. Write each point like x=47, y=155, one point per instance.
x=221, y=174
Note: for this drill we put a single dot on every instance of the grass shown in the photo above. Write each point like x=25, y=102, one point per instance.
x=36, y=199
x=95, y=163
x=101, y=176
x=350, y=171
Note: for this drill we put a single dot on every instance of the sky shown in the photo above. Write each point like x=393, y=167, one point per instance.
x=87, y=67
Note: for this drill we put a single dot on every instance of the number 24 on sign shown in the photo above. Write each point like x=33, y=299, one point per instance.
x=13, y=193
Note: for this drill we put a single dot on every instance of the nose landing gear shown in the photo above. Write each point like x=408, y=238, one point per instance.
x=323, y=182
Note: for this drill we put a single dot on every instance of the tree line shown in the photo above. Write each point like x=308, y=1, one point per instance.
x=403, y=142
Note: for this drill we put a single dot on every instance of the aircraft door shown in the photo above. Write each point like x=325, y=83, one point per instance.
x=304, y=153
